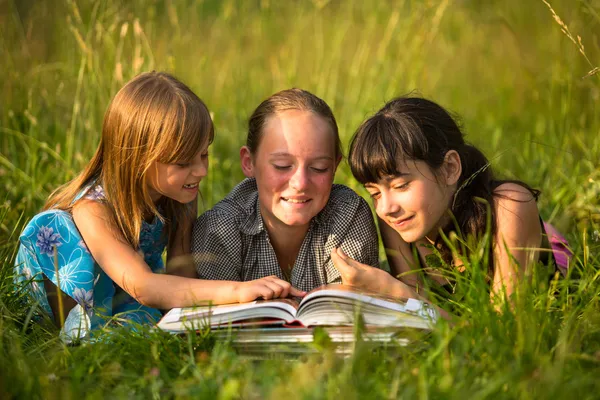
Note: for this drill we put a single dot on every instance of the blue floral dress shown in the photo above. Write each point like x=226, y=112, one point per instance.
x=99, y=299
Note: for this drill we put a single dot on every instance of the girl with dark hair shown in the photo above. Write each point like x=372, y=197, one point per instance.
x=427, y=182
x=287, y=216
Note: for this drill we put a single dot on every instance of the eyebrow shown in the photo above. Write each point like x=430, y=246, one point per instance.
x=284, y=154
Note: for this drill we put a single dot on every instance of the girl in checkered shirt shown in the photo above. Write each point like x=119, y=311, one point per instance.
x=287, y=216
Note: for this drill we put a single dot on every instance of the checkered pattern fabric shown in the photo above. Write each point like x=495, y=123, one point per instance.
x=230, y=241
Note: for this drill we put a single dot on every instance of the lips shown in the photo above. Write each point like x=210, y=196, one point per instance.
x=400, y=222
x=191, y=185
x=295, y=200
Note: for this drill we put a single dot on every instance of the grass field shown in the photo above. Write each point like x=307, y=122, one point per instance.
x=518, y=82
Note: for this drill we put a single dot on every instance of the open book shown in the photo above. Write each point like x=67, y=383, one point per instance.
x=329, y=305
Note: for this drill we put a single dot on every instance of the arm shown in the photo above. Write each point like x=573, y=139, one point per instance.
x=179, y=257
x=376, y=280
x=518, y=236
x=129, y=271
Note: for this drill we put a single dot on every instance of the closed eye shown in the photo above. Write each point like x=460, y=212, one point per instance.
x=281, y=167
x=403, y=186
x=320, y=170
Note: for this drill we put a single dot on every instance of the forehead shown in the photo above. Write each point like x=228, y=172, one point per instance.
x=406, y=169
x=298, y=133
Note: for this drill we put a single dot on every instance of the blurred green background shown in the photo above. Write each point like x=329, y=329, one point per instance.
x=504, y=67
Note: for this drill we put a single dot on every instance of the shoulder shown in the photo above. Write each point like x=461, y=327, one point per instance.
x=88, y=208
x=512, y=198
x=229, y=214
x=516, y=210
x=345, y=207
x=342, y=197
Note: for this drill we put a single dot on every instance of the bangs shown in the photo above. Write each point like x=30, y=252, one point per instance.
x=187, y=133
x=379, y=149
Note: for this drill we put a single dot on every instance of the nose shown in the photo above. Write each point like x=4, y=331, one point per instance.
x=386, y=205
x=299, y=179
x=200, y=166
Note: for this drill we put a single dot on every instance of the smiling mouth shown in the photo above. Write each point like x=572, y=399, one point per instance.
x=191, y=185
x=401, y=221
x=295, y=201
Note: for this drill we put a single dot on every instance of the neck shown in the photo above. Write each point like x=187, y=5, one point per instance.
x=286, y=241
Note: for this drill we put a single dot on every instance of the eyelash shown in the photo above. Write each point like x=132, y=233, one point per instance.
x=402, y=187
x=286, y=167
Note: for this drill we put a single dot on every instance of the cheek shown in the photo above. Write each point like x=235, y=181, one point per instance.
x=323, y=181
x=272, y=181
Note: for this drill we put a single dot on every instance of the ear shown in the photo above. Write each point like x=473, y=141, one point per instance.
x=247, y=162
x=452, y=167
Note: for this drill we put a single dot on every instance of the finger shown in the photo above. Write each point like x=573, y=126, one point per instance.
x=265, y=292
x=276, y=283
x=285, y=285
x=289, y=289
x=275, y=287
x=297, y=292
x=339, y=261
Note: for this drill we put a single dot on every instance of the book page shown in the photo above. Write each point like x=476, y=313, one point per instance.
x=354, y=293
x=336, y=293
x=239, y=310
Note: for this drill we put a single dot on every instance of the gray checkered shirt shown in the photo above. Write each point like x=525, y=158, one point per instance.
x=230, y=241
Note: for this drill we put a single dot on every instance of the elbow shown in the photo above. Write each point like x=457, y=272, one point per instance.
x=145, y=293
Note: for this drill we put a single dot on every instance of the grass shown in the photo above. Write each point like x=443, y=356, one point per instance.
x=518, y=82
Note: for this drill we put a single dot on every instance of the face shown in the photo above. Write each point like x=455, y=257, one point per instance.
x=178, y=181
x=413, y=202
x=294, y=167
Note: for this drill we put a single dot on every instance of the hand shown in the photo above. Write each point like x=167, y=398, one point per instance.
x=270, y=287
x=369, y=278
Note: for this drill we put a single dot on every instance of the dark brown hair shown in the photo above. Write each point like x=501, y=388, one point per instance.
x=290, y=99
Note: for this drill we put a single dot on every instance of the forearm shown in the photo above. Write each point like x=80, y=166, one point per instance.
x=167, y=291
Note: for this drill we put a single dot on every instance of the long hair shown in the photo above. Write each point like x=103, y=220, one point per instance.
x=154, y=117
x=411, y=128
x=285, y=100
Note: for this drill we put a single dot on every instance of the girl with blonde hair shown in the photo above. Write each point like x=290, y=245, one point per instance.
x=100, y=237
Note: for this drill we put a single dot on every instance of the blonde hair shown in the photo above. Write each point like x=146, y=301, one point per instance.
x=154, y=117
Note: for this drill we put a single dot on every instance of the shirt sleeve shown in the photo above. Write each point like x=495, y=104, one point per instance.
x=352, y=228
x=361, y=242
x=217, y=247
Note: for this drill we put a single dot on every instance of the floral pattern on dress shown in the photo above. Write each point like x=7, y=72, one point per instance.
x=47, y=240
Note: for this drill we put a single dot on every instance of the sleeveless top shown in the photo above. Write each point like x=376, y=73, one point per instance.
x=555, y=251
x=53, y=233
